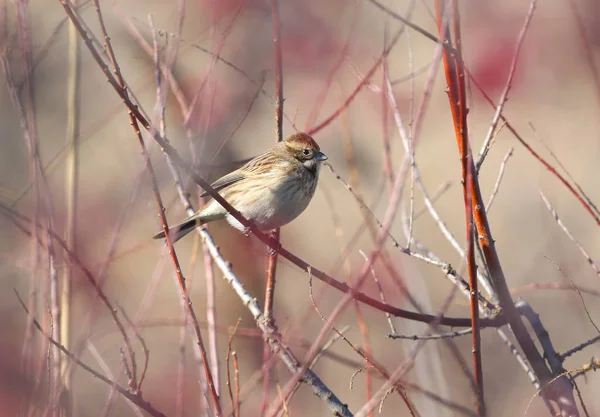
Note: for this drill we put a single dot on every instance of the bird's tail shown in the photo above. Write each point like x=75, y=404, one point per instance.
x=182, y=229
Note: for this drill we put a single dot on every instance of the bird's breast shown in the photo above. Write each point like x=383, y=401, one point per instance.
x=282, y=200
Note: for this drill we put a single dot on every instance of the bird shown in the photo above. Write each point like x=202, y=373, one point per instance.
x=270, y=190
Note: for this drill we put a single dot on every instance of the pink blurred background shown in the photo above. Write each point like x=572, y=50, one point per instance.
x=554, y=90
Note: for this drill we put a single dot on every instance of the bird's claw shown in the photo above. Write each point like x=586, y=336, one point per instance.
x=247, y=231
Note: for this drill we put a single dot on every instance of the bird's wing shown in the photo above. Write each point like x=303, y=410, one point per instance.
x=226, y=180
x=260, y=165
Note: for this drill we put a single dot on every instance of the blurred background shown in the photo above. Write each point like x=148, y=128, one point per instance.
x=227, y=117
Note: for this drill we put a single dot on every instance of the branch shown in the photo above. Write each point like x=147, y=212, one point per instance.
x=507, y=86
x=133, y=397
x=560, y=391
x=457, y=94
x=272, y=260
x=161, y=213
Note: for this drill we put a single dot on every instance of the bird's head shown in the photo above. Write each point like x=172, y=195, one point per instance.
x=304, y=148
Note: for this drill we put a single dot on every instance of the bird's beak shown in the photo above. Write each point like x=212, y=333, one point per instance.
x=321, y=156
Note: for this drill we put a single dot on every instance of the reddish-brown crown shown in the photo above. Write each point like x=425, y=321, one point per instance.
x=300, y=141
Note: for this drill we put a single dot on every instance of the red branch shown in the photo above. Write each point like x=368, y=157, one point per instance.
x=455, y=78
x=272, y=261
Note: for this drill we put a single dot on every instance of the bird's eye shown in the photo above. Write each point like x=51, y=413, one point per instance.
x=306, y=151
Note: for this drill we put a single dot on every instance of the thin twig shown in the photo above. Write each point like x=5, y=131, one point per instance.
x=567, y=232
x=403, y=368
x=579, y=347
x=363, y=82
x=485, y=147
x=107, y=372
x=447, y=335
x=583, y=200
x=562, y=166
x=554, y=286
x=585, y=308
x=72, y=257
x=381, y=293
x=369, y=364
x=499, y=179
x=234, y=403
x=412, y=75
x=328, y=81
x=135, y=398
x=236, y=374
x=140, y=338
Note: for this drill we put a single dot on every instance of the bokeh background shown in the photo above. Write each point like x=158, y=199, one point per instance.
x=327, y=46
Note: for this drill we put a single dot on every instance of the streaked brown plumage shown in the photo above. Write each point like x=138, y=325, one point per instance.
x=271, y=190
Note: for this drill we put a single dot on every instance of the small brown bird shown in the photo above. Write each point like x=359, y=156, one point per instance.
x=271, y=190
